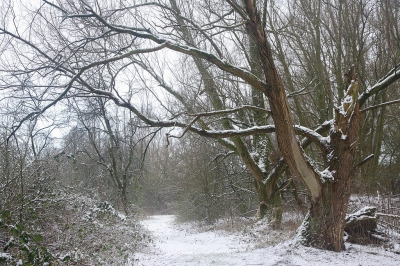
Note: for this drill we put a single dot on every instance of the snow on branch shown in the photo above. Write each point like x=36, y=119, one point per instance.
x=392, y=76
x=313, y=136
x=281, y=165
x=189, y=50
x=232, y=132
x=367, y=159
x=324, y=127
x=228, y=111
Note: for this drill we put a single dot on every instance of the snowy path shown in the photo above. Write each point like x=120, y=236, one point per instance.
x=177, y=245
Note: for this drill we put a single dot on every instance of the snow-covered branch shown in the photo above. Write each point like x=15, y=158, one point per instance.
x=313, y=136
x=229, y=111
x=188, y=50
x=281, y=165
x=392, y=76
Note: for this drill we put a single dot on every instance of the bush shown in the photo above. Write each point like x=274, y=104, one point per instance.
x=71, y=229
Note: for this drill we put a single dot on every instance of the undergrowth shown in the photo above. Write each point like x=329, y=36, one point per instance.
x=65, y=228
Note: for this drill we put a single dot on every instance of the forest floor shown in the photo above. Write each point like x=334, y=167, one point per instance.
x=187, y=244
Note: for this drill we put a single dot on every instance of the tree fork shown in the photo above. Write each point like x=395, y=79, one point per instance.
x=324, y=225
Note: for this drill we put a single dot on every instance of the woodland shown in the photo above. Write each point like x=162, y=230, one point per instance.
x=207, y=109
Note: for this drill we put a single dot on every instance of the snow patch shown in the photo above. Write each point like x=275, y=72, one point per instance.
x=329, y=157
x=182, y=245
x=361, y=214
x=5, y=256
x=327, y=175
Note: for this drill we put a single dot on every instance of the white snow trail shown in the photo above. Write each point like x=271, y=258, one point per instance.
x=177, y=245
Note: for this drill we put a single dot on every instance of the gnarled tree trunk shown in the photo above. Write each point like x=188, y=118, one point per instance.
x=329, y=191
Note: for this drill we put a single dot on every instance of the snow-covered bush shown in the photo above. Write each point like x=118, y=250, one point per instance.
x=53, y=212
x=97, y=233
x=72, y=229
x=23, y=246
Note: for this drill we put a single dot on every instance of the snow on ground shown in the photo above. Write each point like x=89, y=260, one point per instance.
x=179, y=244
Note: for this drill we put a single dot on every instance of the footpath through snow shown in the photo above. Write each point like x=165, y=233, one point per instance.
x=176, y=244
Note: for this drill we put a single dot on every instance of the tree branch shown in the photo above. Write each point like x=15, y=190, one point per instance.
x=76, y=77
x=392, y=76
x=229, y=111
x=188, y=50
x=379, y=105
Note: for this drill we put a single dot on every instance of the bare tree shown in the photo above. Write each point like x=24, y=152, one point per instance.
x=69, y=44
x=108, y=152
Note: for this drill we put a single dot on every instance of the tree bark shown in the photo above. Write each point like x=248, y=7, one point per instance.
x=329, y=192
x=324, y=224
x=281, y=114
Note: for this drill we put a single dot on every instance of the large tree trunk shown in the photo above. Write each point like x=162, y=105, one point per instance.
x=329, y=191
x=274, y=90
x=324, y=224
